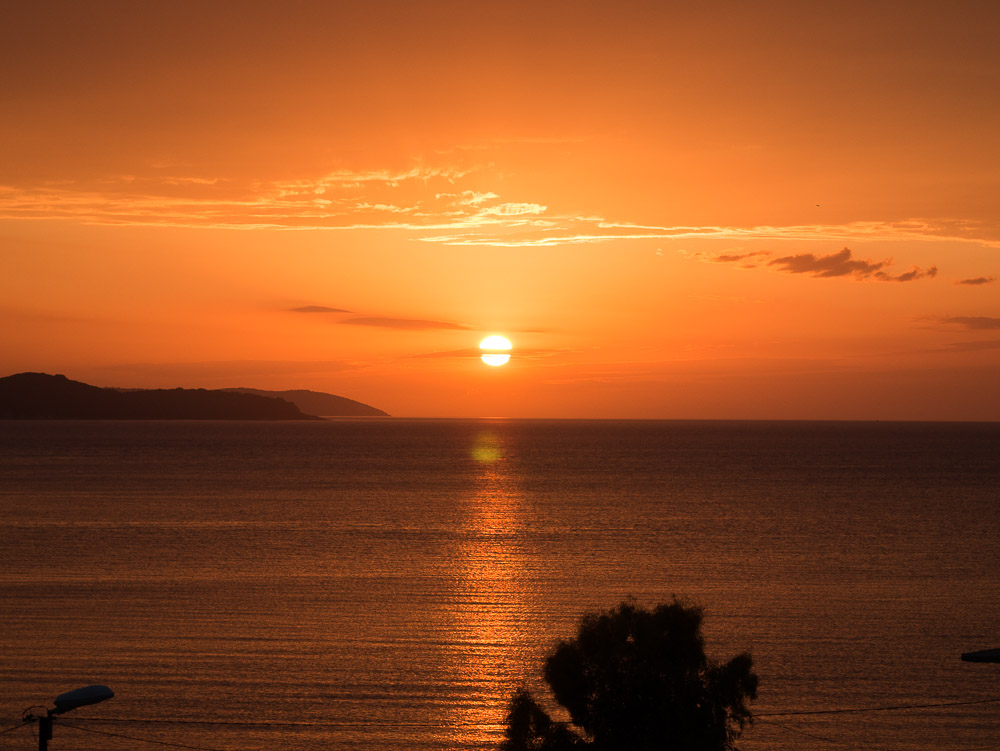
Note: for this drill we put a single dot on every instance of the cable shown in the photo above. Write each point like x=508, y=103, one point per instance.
x=284, y=723
x=827, y=739
x=245, y=723
x=891, y=708
x=792, y=728
x=14, y=728
x=764, y=716
x=28, y=716
x=142, y=740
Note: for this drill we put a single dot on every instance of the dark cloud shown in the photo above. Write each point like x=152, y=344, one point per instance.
x=974, y=323
x=979, y=346
x=226, y=371
x=408, y=324
x=909, y=276
x=318, y=309
x=476, y=352
x=843, y=263
x=467, y=352
x=725, y=258
x=835, y=264
x=979, y=280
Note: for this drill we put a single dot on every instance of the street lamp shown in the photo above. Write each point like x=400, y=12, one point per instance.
x=80, y=697
x=983, y=655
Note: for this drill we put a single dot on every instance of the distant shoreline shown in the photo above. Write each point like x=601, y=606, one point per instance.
x=41, y=396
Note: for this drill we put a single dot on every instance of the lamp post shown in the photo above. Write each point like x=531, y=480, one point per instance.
x=80, y=697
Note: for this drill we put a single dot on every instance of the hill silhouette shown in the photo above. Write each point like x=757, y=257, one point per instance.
x=40, y=396
x=319, y=403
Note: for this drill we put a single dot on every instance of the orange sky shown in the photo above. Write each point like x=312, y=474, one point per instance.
x=673, y=210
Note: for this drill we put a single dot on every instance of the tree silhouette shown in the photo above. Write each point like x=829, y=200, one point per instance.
x=637, y=680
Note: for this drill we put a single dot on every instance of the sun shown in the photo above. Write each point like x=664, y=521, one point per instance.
x=491, y=344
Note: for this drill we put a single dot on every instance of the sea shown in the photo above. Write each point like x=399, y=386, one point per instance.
x=387, y=583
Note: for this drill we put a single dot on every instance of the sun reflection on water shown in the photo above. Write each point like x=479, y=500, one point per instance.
x=487, y=448
x=494, y=594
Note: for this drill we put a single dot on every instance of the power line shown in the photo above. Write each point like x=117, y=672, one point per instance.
x=793, y=729
x=243, y=723
x=2, y=732
x=826, y=739
x=283, y=723
x=142, y=740
x=890, y=708
x=287, y=723
x=764, y=716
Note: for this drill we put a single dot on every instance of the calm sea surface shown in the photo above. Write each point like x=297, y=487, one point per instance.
x=386, y=584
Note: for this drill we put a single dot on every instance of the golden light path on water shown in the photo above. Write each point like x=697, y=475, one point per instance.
x=493, y=582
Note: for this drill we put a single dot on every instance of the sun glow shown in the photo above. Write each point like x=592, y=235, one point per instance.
x=493, y=343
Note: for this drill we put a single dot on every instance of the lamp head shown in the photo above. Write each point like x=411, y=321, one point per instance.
x=81, y=697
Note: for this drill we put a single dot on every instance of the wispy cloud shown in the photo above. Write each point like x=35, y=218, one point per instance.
x=466, y=352
x=433, y=203
x=726, y=298
x=411, y=200
x=974, y=323
x=392, y=178
x=409, y=324
x=468, y=197
x=513, y=209
x=587, y=230
x=318, y=309
x=385, y=322
x=977, y=281
x=974, y=346
x=229, y=371
x=528, y=353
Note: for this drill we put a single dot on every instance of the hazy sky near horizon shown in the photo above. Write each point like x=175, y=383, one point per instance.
x=676, y=210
